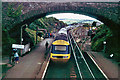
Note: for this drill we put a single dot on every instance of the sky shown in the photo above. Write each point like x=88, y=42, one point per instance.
x=67, y=17
x=70, y=16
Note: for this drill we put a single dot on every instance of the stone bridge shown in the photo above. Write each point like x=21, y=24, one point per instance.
x=108, y=13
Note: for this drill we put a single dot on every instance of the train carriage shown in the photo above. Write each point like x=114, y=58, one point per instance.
x=60, y=47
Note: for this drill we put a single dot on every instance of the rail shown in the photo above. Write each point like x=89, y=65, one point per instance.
x=76, y=60
x=83, y=58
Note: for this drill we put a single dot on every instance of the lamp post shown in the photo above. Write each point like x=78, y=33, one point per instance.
x=104, y=42
x=21, y=36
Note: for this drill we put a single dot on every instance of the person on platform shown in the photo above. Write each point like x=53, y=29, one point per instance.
x=46, y=45
x=16, y=56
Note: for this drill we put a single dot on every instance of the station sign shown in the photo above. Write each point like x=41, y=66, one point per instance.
x=18, y=46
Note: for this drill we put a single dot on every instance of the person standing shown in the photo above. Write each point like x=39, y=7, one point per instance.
x=16, y=56
x=46, y=45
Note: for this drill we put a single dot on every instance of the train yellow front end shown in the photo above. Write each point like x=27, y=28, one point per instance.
x=60, y=51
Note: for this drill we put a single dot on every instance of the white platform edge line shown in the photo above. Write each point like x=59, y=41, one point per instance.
x=98, y=67
x=45, y=69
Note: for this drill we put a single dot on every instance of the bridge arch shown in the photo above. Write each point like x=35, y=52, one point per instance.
x=105, y=12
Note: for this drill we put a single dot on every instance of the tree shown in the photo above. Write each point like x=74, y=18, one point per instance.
x=39, y=34
x=12, y=12
x=94, y=23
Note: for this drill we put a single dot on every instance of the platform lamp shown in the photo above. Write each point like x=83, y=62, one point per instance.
x=104, y=42
x=21, y=36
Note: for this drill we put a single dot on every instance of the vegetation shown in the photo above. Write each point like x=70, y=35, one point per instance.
x=32, y=35
x=43, y=23
x=46, y=23
x=104, y=34
x=52, y=23
x=12, y=12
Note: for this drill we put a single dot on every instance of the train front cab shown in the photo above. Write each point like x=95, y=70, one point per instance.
x=60, y=51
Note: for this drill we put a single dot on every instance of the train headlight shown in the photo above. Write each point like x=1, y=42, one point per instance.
x=54, y=56
x=65, y=56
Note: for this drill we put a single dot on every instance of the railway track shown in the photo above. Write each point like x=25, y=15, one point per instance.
x=79, y=67
x=87, y=68
x=61, y=70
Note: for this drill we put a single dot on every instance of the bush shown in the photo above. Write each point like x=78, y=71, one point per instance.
x=105, y=34
x=102, y=34
x=97, y=45
x=32, y=35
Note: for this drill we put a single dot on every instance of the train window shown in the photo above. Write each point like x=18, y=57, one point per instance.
x=60, y=48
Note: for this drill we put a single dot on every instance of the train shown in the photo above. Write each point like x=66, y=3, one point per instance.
x=60, y=51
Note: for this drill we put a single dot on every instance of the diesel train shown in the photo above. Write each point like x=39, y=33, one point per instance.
x=60, y=51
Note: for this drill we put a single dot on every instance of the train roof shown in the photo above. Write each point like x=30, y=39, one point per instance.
x=60, y=42
x=61, y=37
x=63, y=31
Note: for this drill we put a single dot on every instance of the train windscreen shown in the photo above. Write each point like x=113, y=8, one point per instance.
x=60, y=48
